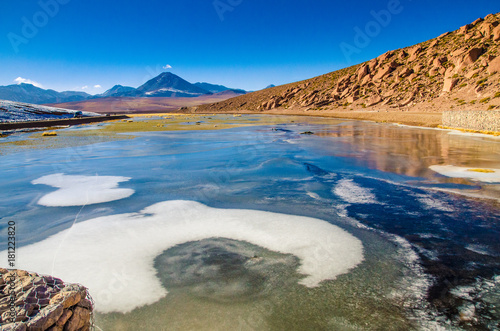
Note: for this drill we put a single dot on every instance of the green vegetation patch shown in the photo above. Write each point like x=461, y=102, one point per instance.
x=482, y=81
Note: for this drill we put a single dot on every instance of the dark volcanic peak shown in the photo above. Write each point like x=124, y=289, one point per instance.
x=237, y=91
x=32, y=94
x=168, y=85
x=230, y=92
x=212, y=87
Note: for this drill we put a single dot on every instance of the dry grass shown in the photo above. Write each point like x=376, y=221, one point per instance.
x=486, y=171
x=492, y=133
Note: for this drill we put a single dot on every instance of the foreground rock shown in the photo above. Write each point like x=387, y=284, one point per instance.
x=29, y=301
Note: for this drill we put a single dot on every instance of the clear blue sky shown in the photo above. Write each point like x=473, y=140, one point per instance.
x=245, y=44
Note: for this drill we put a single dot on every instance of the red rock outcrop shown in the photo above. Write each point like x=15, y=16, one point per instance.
x=30, y=301
x=460, y=69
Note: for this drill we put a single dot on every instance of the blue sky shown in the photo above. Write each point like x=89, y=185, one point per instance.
x=91, y=45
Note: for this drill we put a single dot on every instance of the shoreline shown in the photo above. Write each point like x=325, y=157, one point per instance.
x=6, y=126
x=429, y=120
x=413, y=118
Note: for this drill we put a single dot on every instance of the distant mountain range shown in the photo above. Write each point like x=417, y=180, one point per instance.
x=118, y=90
x=31, y=94
x=218, y=88
x=166, y=84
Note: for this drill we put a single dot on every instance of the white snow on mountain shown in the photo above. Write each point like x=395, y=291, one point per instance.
x=170, y=90
x=11, y=111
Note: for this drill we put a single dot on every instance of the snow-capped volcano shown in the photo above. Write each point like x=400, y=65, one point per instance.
x=168, y=84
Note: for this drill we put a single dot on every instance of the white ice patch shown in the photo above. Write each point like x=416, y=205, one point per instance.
x=463, y=172
x=113, y=256
x=313, y=195
x=480, y=249
x=431, y=203
x=352, y=193
x=82, y=190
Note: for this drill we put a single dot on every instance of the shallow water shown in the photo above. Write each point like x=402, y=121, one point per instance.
x=429, y=242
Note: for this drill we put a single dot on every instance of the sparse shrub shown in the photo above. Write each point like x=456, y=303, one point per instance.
x=491, y=107
x=472, y=102
x=475, y=75
x=485, y=100
x=482, y=81
x=462, y=85
x=455, y=76
x=497, y=95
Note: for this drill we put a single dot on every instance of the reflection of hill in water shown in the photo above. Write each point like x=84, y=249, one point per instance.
x=411, y=151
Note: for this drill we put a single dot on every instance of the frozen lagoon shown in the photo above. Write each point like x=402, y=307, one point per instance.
x=411, y=248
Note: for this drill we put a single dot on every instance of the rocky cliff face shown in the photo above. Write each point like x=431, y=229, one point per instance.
x=457, y=70
x=29, y=301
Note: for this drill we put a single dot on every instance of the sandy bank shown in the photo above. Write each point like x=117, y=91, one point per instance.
x=408, y=118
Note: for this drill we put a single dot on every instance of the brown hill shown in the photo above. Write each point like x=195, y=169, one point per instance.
x=457, y=70
x=143, y=105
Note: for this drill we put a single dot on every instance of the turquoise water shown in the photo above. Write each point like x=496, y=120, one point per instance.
x=429, y=242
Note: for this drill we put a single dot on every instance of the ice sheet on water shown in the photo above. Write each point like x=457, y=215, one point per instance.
x=351, y=192
x=114, y=255
x=488, y=176
x=429, y=202
x=82, y=190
